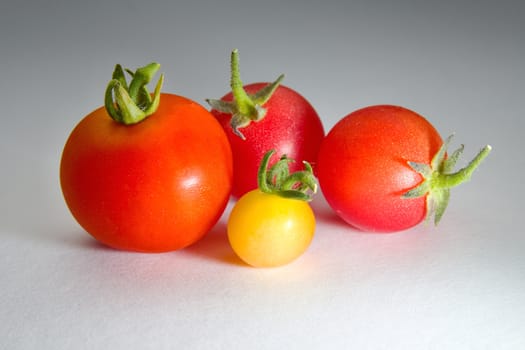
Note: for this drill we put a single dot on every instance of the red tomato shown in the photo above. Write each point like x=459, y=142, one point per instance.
x=154, y=186
x=290, y=126
x=383, y=168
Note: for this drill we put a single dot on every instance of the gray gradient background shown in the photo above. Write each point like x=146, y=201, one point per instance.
x=459, y=286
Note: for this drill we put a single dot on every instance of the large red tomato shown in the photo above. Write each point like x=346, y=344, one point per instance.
x=157, y=185
x=384, y=168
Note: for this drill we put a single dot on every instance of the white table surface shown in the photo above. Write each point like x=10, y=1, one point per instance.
x=458, y=286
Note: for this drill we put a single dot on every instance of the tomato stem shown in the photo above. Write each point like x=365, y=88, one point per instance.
x=132, y=104
x=464, y=174
x=245, y=108
x=245, y=105
x=439, y=177
x=300, y=185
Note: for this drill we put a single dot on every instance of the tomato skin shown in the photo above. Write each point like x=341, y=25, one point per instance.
x=291, y=126
x=363, y=170
x=266, y=230
x=155, y=186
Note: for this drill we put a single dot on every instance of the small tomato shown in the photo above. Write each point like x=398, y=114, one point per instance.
x=385, y=168
x=273, y=225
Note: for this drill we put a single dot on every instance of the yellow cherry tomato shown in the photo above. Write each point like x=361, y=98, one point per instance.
x=268, y=230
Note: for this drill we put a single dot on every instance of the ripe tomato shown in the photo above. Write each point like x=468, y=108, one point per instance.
x=273, y=225
x=265, y=116
x=384, y=168
x=266, y=230
x=157, y=185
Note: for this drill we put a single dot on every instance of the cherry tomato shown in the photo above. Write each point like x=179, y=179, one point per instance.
x=265, y=116
x=266, y=230
x=156, y=185
x=384, y=168
x=273, y=224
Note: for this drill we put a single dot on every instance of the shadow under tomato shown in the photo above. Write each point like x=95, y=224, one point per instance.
x=81, y=239
x=71, y=237
x=215, y=246
x=325, y=214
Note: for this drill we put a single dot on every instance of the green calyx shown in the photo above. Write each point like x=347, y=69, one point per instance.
x=439, y=178
x=130, y=104
x=278, y=180
x=245, y=108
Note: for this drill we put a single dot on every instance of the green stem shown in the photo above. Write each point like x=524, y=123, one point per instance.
x=245, y=108
x=464, y=174
x=132, y=104
x=438, y=178
x=262, y=174
x=277, y=179
x=245, y=105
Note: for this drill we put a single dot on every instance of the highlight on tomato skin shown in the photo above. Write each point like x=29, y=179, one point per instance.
x=261, y=116
x=274, y=225
x=146, y=172
x=385, y=168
